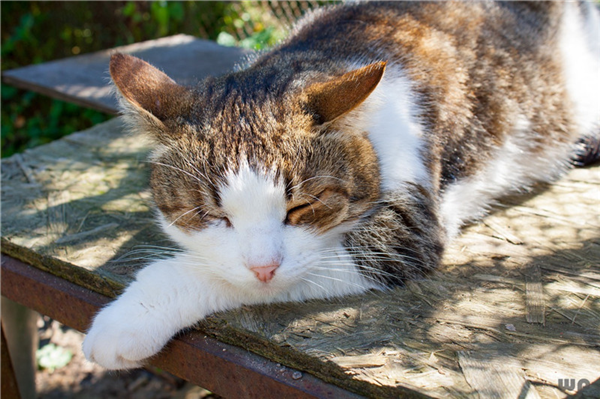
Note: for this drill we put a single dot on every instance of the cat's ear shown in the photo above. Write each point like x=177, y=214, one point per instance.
x=330, y=100
x=150, y=95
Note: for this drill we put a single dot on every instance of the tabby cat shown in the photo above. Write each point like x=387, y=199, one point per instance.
x=347, y=157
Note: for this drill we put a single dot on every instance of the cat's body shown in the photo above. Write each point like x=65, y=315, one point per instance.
x=346, y=158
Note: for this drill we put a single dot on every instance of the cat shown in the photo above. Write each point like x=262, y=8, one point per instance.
x=346, y=158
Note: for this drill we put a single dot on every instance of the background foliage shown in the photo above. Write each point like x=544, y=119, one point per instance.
x=37, y=31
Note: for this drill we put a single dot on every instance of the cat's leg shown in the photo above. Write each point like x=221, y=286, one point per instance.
x=166, y=296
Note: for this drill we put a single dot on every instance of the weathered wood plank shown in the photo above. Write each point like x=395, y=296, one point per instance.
x=79, y=209
x=534, y=296
x=84, y=79
x=495, y=377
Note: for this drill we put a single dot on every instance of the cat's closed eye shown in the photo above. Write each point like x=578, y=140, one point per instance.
x=216, y=219
x=206, y=219
x=315, y=209
x=293, y=215
x=223, y=221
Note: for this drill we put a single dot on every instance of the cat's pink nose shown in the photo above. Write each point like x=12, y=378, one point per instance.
x=265, y=273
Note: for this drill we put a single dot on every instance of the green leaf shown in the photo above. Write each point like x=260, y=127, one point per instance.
x=8, y=92
x=129, y=9
x=176, y=10
x=259, y=40
x=160, y=14
x=52, y=357
x=225, y=39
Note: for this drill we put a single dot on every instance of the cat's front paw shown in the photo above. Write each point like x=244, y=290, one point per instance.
x=122, y=337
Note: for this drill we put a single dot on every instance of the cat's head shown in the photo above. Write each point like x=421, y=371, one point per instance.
x=254, y=174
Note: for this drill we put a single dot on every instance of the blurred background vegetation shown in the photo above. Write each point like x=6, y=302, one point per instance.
x=39, y=31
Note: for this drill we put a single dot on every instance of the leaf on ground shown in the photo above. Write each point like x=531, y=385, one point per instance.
x=52, y=357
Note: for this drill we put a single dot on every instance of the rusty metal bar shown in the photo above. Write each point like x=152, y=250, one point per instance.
x=227, y=370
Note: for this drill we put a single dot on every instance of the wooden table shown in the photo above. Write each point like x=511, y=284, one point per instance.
x=514, y=309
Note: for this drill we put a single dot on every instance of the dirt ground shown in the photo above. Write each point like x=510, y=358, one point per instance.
x=80, y=379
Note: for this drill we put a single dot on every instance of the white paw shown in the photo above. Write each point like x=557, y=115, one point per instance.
x=123, y=335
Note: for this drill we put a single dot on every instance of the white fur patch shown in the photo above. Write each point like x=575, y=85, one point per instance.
x=395, y=131
x=512, y=168
x=580, y=48
x=255, y=204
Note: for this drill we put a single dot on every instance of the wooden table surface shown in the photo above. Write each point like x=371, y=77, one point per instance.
x=515, y=307
x=84, y=79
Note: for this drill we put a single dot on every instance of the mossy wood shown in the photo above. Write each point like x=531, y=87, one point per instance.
x=515, y=307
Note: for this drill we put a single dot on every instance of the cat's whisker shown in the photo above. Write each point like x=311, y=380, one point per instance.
x=376, y=256
x=387, y=256
x=318, y=199
x=155, y=248
x=371, y=270
x=136, y=256
x=196, y=265
x=183, y=214
x=346, y=282
x=148, y=254
x=177, y=169
x=312, y=282
x=203, y=216
x=312, y=178
x=149, y=251
x=366, y=266
x=192, y=255
x=325, y=276
x=204, y=174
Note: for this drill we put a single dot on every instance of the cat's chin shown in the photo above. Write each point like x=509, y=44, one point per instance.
x=264, y=291
x=259, y=292
x=268, y=291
